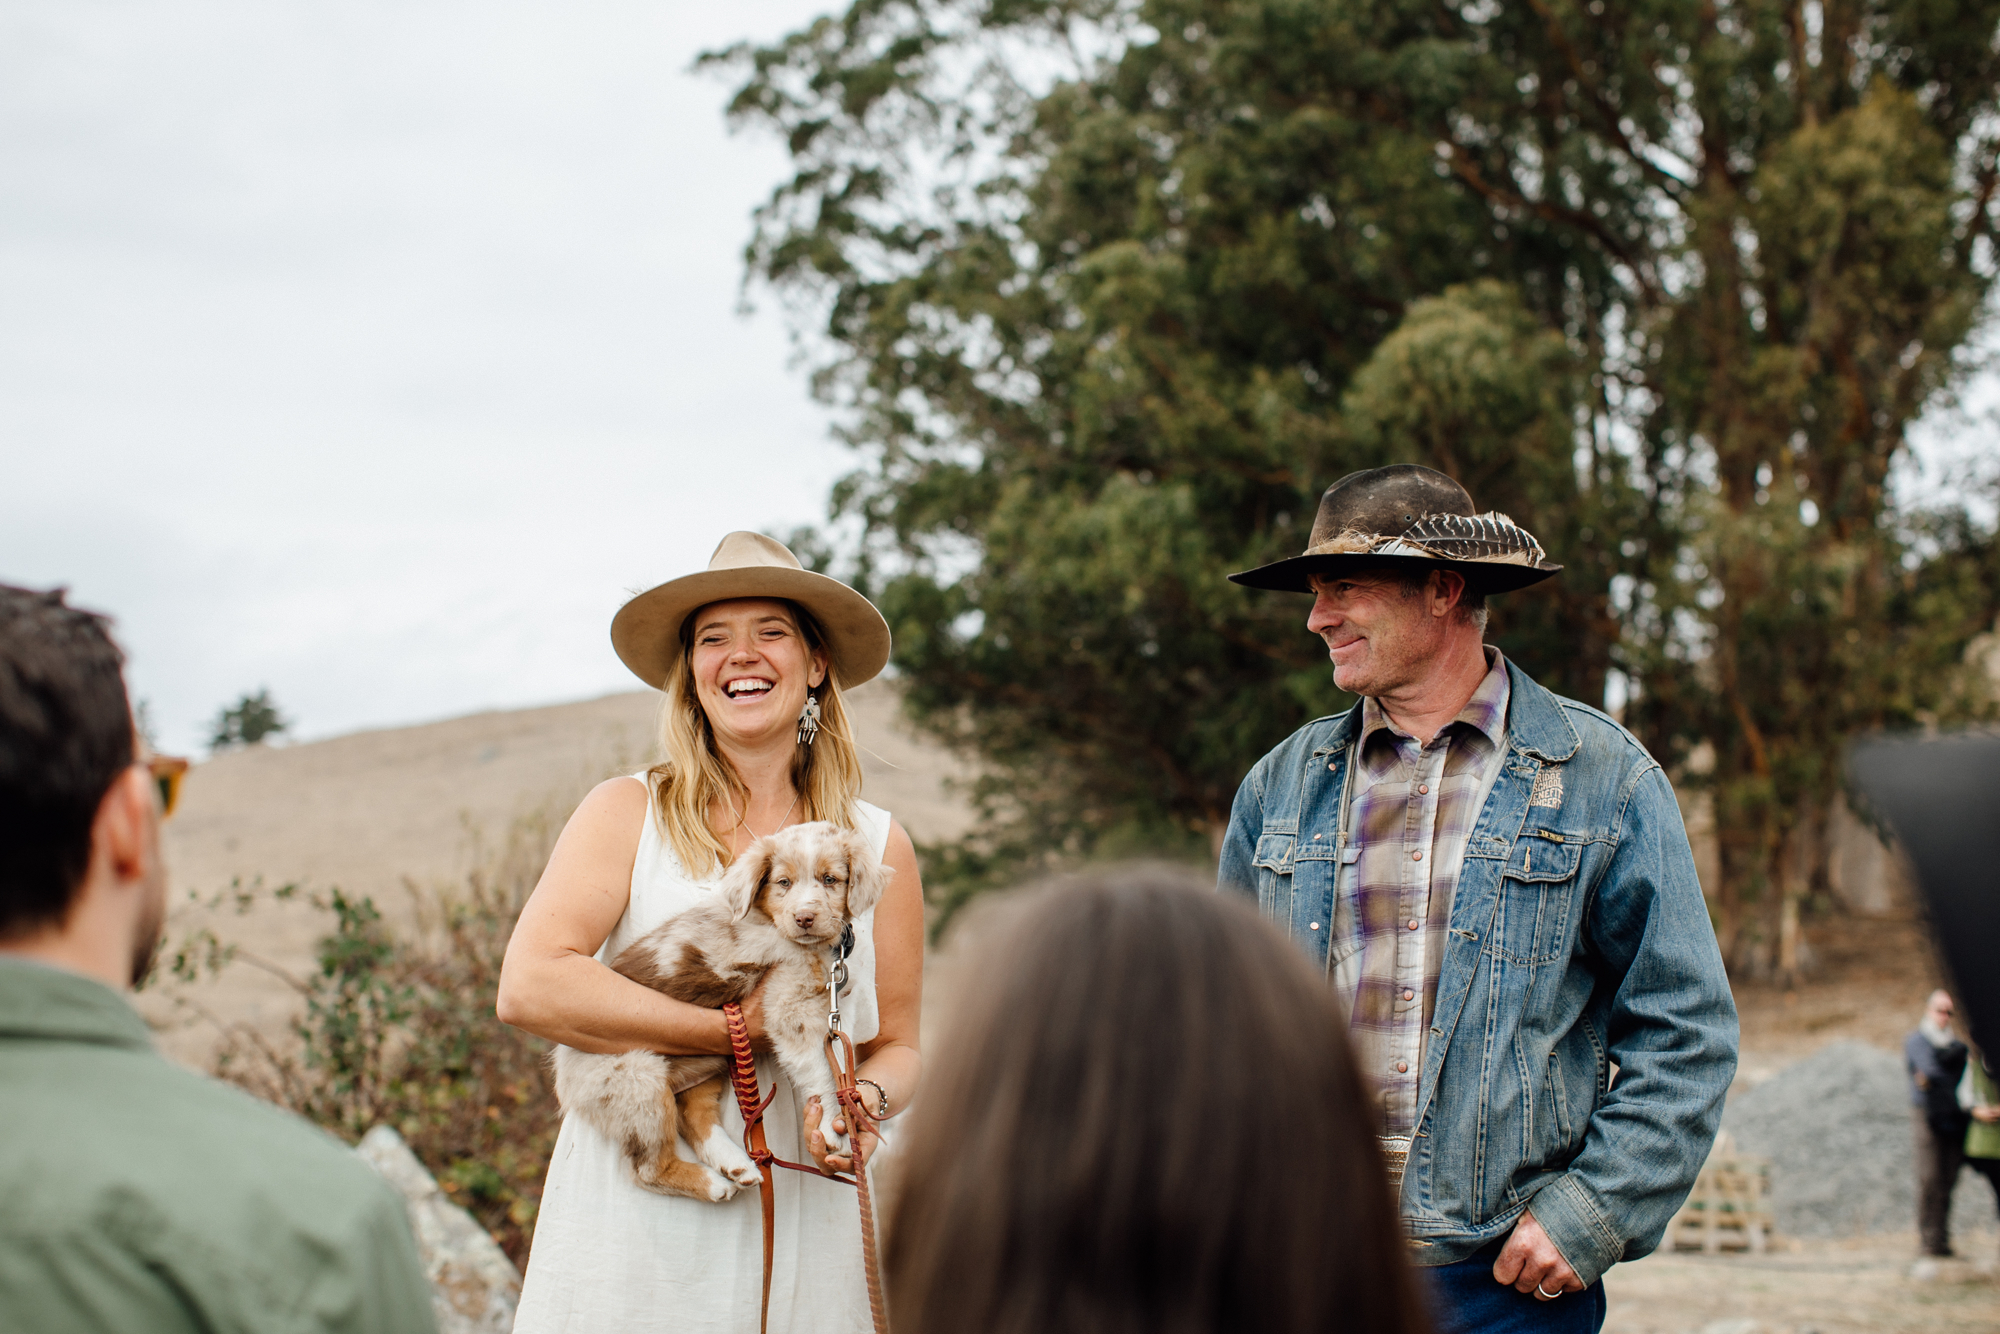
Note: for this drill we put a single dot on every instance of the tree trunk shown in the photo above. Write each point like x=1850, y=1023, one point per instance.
x=1790, y=890
x=1750, y=838
x=1728, y=893
x=1802, y=872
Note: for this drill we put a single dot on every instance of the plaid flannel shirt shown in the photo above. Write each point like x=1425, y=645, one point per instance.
x=1412, y=809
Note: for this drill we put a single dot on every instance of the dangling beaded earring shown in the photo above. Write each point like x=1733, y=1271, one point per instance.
x=809, y=720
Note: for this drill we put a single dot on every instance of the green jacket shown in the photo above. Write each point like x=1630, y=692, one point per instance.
x=141, y=1198
x=1982, y=1140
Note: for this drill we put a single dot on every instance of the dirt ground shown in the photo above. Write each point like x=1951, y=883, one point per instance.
x=1870, y=979
x=382, y=812
x=1849, y=1287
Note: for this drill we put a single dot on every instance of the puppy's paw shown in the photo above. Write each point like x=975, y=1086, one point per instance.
x=829, y=1112
x=690, y=1180
x=725, y=1155
x=720, y=1187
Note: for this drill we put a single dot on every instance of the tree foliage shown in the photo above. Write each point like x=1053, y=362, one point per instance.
x=1107, y=292
x=251, y=719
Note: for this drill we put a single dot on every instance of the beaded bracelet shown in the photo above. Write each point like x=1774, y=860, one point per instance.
x=881, y=1098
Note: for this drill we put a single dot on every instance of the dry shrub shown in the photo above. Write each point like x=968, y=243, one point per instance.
x=402, y=1032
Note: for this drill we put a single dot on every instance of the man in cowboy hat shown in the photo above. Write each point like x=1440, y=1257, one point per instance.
x=1497, y=882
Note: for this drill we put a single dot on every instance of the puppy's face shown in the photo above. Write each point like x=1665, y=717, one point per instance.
x=810, y=880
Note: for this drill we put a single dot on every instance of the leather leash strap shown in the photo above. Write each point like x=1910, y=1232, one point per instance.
x=743, y=1079
x=859, y=1119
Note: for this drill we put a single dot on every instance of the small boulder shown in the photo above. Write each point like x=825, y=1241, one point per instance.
x=474, y=1286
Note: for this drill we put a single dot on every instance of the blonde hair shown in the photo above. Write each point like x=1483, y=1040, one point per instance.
x=693, y=775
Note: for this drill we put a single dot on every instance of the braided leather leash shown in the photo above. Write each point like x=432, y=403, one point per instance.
x=743, y=1079
x=859, y=1119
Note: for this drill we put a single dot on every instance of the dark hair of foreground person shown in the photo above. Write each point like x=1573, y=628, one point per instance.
x=65, y=734
x=1145, y=1119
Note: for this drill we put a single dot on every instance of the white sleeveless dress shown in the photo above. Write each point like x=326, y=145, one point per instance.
x=611, y=1258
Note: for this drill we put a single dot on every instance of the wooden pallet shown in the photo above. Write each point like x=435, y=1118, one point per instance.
x=1728, y=1209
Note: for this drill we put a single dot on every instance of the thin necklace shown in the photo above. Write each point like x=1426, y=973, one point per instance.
x=743, y=817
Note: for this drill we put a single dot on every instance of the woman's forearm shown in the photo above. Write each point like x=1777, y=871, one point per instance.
x=894, y=1068
x=891, y=1060
x=575, y=1000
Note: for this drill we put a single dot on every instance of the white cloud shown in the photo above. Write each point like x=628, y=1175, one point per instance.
x=373, y=352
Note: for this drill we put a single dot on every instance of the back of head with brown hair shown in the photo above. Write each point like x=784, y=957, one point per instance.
x=65, y=734
x=1145, y=1119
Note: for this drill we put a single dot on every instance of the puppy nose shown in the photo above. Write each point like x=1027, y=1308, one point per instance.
x=805, y=920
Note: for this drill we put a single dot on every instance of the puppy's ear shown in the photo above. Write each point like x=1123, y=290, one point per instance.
x=746, y=876
x=866, y=876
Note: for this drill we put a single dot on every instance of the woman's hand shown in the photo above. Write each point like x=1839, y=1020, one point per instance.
x=829, y=1163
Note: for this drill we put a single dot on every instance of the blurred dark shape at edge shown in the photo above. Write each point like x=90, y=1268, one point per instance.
x=1942, y=796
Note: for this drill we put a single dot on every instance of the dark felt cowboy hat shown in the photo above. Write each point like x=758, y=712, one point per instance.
x=1406, y=512
x=646, y=631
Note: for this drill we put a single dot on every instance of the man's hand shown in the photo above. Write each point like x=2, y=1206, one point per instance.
x=1986, y=1115
x=1530, y=1261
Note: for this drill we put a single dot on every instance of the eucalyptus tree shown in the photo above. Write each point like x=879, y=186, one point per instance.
x=1107, y=290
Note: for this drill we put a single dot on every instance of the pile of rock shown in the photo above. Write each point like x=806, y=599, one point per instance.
x=474, y=1286
x=1837, y=1130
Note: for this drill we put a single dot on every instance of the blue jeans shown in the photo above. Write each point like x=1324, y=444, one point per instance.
x=1465, y=1299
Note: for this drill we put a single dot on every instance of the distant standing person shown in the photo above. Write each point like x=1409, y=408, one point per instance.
x=1979, y=1095
x=1499, y=887
x=1935, y=1059
x=141, y=1198
x=750, y=656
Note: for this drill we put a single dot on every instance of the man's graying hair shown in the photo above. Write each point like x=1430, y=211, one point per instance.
x=65, y=735
x=1412, y=578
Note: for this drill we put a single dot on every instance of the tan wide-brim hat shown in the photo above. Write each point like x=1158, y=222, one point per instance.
x=647, y=630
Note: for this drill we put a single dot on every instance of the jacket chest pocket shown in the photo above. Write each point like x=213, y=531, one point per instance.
x=1273, y=860
x=1537, y=888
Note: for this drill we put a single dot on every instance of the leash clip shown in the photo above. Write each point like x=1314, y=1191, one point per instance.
x=839, y=980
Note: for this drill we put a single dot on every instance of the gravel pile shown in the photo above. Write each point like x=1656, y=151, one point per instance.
x=1836, y=1128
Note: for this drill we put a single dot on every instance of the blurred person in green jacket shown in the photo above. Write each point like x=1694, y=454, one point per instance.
x=1979, y=1095
x=139, y=1196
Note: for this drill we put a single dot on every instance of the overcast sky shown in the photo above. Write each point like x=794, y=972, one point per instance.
x=374, y=352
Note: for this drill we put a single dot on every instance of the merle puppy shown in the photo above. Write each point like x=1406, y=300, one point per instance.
x=781, y=911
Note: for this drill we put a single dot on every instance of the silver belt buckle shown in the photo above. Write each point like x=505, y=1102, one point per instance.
x=1395, y=1154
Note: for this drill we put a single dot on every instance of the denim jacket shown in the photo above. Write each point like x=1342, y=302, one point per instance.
x=1584, y=1033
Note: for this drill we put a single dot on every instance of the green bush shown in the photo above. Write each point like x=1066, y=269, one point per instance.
x=401, y=1032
